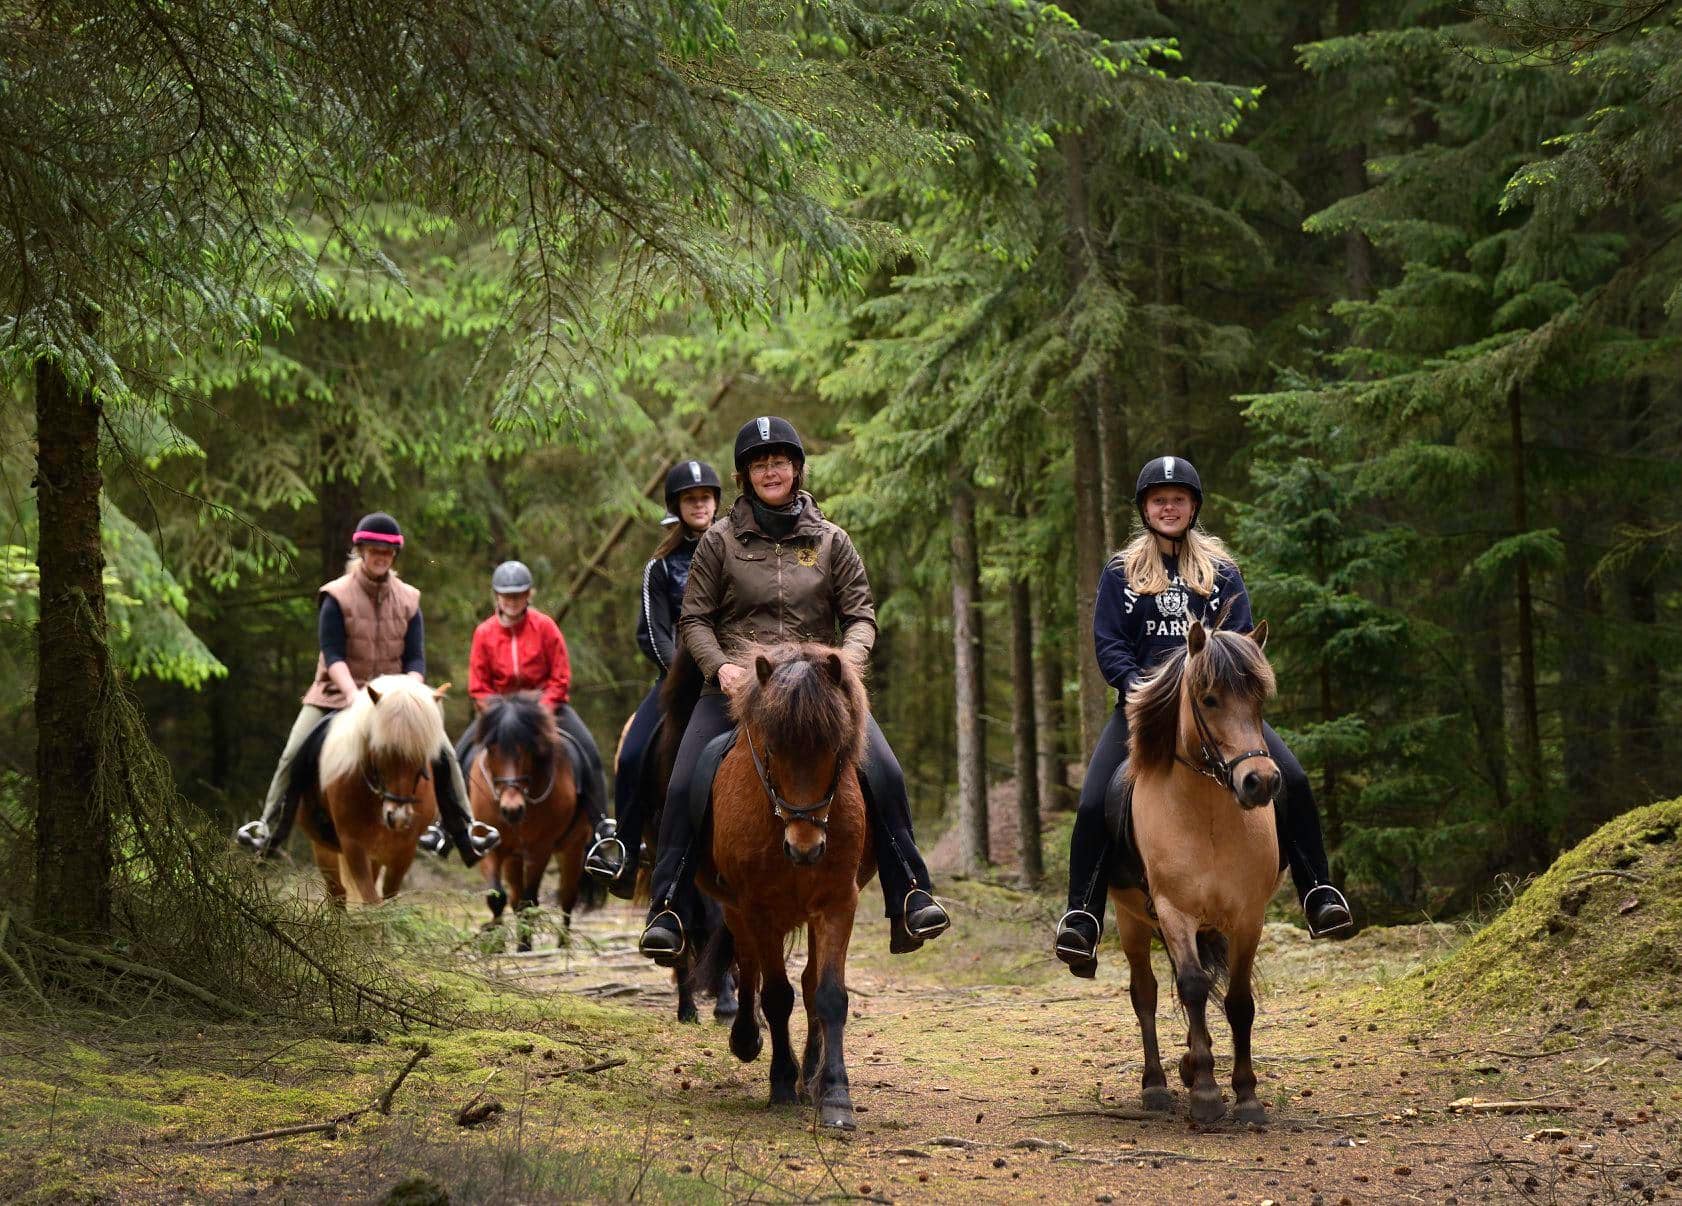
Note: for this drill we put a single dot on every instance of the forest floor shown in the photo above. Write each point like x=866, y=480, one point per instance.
x=980, y=1070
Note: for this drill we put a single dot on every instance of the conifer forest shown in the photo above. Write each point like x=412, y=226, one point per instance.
x=1401, y=280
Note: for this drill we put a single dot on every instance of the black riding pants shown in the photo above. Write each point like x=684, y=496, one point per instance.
x=630, y=802
x=899, y=865
x=592, y=792
x=1295, y=815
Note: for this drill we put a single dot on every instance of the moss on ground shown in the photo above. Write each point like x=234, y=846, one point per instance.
x=1600, y=929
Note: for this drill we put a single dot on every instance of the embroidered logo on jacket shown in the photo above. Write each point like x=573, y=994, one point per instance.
x=807, y=556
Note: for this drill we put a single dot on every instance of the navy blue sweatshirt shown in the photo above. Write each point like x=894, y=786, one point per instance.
x=663, y=580
x=1133, y=632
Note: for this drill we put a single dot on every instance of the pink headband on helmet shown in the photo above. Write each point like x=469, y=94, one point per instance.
x=362, y=537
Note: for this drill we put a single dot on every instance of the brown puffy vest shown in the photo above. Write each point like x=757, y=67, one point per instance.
x=377, y=618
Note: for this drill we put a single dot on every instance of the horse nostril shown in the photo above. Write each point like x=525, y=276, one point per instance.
x=790, y=852
x=817, y=853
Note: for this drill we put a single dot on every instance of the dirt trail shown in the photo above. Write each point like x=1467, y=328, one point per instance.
x=954, y=1085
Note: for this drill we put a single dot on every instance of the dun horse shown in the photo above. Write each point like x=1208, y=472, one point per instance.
x=371, y=792
x=1203, y=789
x=790, y=847
x=521, y=782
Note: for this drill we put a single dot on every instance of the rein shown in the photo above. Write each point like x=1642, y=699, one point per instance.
x=1210, y=764
x=781, y=808
x=374, y=783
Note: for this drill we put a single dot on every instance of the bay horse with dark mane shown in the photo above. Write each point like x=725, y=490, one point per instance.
x=790, y=848
x=369, y=793
x=520, y=781
x=1202, y=821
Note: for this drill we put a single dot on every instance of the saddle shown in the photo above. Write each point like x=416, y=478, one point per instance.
x=305, y=779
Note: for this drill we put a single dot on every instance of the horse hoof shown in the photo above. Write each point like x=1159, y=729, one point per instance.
x=839, y=1115
x=726, y=1008
x=1252, y=1112
x=784, y=1095
x=1208, y=1106
x=1157, y=1097
x=745, y=1043
x=1188, y=1071
x=689, y=1014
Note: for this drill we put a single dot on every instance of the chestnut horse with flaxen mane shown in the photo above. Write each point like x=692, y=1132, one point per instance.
x=790, y=847
x=1203, y=791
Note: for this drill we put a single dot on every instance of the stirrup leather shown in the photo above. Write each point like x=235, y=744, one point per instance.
x=1337, y=897
x=1097, y=926
x=923, y=934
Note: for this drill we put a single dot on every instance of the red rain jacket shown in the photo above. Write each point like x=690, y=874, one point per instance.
x=530, y=656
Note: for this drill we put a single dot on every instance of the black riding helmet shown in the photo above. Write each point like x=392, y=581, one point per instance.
x=691, y=475
x=378, y=528
x=1168, y=471
x=765, y=434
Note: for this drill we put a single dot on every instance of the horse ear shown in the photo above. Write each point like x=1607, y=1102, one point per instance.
x=1196, y=638
x=762, y=667
x=836, y=670
x=1258, y=634
x=440, y=691
x=373, y=694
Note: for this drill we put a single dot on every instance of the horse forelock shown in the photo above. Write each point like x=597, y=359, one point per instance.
x=1229, y=663
x=405, y=725
x=801, y=709
x=1233, y=664
x=519, y=723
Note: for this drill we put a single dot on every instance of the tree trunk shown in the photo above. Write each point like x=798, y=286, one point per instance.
x=1118, y=468
x=973, y=850
x=1090, y=550
x=338, y=502
x=1048, y=714
x=1352, y=165
x=73, y=827
x=1530, y=730
x=1582, y=681
x=1023, y=733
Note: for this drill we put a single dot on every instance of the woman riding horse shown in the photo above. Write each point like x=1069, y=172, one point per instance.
x=518, y=648
x=1171, y=574
x=368, y=623
x=693, y=492
x=775, y=570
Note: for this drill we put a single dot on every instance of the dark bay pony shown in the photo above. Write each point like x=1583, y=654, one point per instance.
x=520, y=781
x=790, y=847
x=1203, y=789
x=371, y=791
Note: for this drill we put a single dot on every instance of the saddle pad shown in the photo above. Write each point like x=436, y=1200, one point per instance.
x=575, y=757
x=706, y=770
x=1126, y=869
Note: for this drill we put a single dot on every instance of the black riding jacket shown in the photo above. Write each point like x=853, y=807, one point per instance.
x=663, y=580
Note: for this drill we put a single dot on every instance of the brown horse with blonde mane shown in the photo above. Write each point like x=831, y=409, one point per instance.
x=790, y=847
x=520, y=781
x=1203, y=826
x=370, y=793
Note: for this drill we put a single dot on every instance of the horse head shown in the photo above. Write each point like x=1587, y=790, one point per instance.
x=393, y=733
x=520, y=745
x=1227, y=681
x=803, y=718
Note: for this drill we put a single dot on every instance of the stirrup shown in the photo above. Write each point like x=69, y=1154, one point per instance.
x=433, y=840
x=253, y=835
x=924, y=933
x=1077, y=952
x=1337, y=898
x=598, y=866
x=483, y=838
x=665, y=958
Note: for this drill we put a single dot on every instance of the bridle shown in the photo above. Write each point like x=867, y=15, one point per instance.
x=781, y=808
x=1210, y=764
x=372, y=780
x=520, y=781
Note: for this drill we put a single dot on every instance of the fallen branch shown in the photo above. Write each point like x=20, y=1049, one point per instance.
x=1529, y=1105
x=601, y=1066
x=1124, y=1115
x=331, y=1129
x=64, y=946
x=1629, y=875
x=16, y=968
x=421, y=1052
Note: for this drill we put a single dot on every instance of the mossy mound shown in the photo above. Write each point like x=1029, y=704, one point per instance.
x=1601, y=928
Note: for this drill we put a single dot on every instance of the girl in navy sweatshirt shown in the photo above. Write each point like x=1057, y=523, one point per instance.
x=1171, y=574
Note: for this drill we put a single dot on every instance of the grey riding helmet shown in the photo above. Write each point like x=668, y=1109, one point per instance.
x=511, y=578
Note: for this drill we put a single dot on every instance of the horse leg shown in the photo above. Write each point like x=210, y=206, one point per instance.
x=569, y=861
x=726, y=1006
x=1141, y=987
x=1197, y=1065
x=1240, y=1015
x=744, y=1031
x=529, y=888
x=832, y=932
x=395, y=871
x=814, y=1029
x=517, y=875
x=496, y=897
x=777, y=998
x=357, y=867
x=327, y=862
x=682, y=975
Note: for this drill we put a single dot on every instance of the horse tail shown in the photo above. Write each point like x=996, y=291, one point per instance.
x=1212, y=954
x=715, y=960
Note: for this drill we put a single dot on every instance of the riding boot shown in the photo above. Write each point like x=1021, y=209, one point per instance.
x=1080, y=928
x=1297, y=823
x=473, y=839
x=914, y=914
x=665, y=937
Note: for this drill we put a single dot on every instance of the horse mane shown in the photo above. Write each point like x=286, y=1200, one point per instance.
x=406, y=724
x=518, y=723
x=1229, y=662
x=802, y=705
